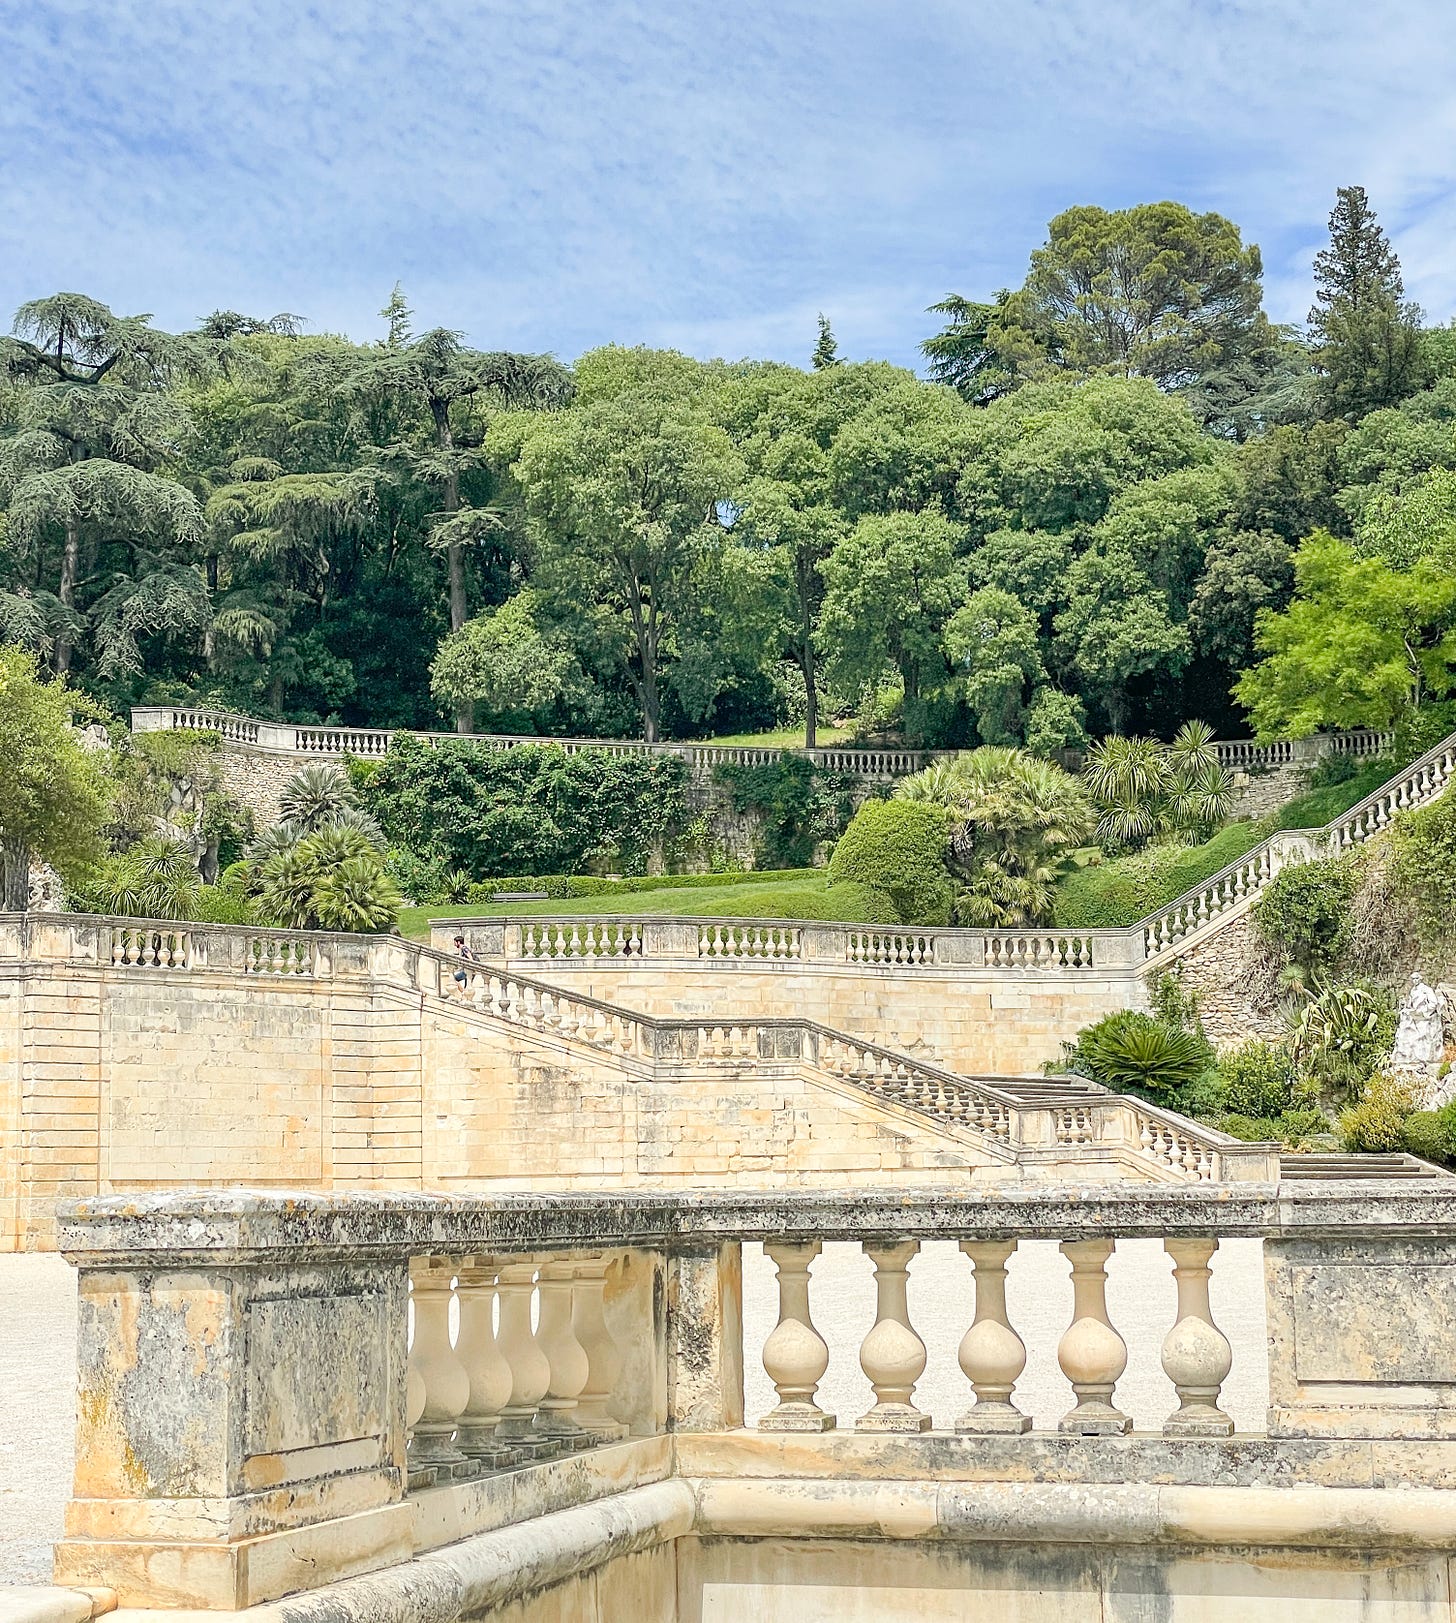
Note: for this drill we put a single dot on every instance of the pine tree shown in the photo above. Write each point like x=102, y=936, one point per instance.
x=399, y=316
x=1367, y=335
x=826, y=351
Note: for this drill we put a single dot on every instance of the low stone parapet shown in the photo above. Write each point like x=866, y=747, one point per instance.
x=483, y=1400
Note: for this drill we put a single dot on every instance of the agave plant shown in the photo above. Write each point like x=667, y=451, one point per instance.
x=1335, y=1020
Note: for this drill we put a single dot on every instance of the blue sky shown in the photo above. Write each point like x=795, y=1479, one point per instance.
x=707, y=175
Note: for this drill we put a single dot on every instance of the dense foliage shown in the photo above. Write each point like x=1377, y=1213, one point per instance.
x=1123, y=487
x=798, y=803
x=55, y=793
x=895, y=849
x=490, y=813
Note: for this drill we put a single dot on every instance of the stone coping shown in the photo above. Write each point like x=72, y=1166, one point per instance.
x=241, y=1225
x=488, y=1571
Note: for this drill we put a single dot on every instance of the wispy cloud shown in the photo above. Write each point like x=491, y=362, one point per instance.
x=559, y=173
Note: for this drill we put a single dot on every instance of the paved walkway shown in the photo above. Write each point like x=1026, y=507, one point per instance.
x=38, y=1327
x=37, y=1411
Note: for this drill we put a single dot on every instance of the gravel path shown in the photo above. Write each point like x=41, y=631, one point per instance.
x=38, y=1327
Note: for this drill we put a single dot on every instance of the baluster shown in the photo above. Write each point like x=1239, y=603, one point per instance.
x=447, y=1386
x=565, y=1356
x=1091, y=1353
x=488, y=1372
x=991, y=1354
x=795, y=1355
x=1196, y=1354
x=530, y=1371
x=603, y=1356
x=892, y=1355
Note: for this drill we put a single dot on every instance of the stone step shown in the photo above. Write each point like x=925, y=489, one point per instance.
x=1316, y=1168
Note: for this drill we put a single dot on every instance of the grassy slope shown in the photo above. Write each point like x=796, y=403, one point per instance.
x=808, y=897
x=1128, y=889
x=781, y=738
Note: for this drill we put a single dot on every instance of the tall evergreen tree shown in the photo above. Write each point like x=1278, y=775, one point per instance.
x=399, y=319
x=453, y=390
x=1367, y=335
x=98, y=414
x=826, y=351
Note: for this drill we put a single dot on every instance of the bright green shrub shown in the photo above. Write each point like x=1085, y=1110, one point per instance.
x=1258, y=1079
x=1304, y=911
x=1289, y=1127
x=1431, y=1134
x=897, y=847
x=1423, y=865
x=1138, y=1052
x=1377, y=1123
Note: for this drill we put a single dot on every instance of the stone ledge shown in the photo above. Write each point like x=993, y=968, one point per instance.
x=24, y=1603
x=1056, y=1458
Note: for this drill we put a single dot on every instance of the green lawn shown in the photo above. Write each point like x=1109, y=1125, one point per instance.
x=780, y=738
x=809, y=897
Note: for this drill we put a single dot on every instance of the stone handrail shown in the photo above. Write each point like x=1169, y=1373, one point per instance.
x=1033, y=1122
x=609, y=1328
x=542, y=939
x=372, y=742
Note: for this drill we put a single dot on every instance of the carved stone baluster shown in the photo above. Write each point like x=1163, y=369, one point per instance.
x=488, y=1372
x=565, y=1357
x=604, y=1358
x=1196, y=1354
x=991, y=1354
x=1091, y=1353
x=530, y=1372
x=795, y=1354
x=892, y=1355
x=447, y=1386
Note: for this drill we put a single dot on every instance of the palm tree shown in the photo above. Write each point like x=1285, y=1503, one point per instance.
x=1016, y=821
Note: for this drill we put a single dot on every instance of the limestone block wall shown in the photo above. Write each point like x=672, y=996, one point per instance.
x=977, y=1022
x=113, y=1080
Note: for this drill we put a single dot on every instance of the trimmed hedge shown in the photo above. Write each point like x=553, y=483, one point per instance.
x=896, y=847
x=567, y=885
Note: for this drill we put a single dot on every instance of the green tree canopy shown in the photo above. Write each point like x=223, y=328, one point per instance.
x=1153, y=291
x=55, y=792
x=892, y=584
x=1361, y=643
x=622, y=497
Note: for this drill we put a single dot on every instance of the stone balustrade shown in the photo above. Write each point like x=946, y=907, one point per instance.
x=1032, y=1124
x=284, y=738
x=497, y=1364
x=861, y=761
